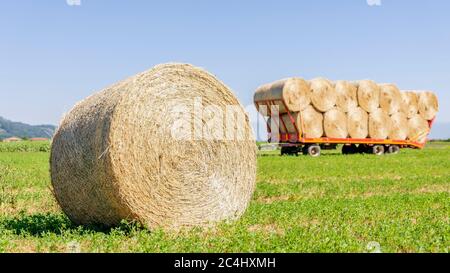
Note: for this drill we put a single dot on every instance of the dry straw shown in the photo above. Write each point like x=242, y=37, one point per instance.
x=428, y=105
x=323, y=95
x=346, y=97
x=411, y=102
x=294, y=92
x=390, y=98
x=312, y=122
x=368, y=95
x=357, y=123
x=335, y=123
x=399, y=129
x=114, y=157
x=379, y=124
x=418, y=129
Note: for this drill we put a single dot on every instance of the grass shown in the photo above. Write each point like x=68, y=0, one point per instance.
x=25, y=146
x=333, y=203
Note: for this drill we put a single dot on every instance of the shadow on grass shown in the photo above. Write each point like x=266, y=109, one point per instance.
x=45, y=223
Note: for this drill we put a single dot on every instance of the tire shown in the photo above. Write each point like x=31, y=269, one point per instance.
x=349, y=149
x=393, y=149
x=314, y=150
x=378, y=149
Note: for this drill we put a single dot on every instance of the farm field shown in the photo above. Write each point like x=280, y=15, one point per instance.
x=333, y=203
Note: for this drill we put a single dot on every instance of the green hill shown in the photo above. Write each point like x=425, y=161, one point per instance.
x=18, y=129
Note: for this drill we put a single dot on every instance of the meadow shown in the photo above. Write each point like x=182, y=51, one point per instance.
x=334, y=203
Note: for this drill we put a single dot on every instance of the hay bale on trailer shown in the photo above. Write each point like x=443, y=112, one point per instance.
x=335, y=123
x=114, y=155
x=390, y=98
x=294, y=92
x=410, y=100
x=308, y=122
x=346, y=96
x=399, y=129
x=323, y=95
x=379, y=124
x=368, y=95
x=358, y=123
x=418, y=128
x=428, y=105
x=312, y=122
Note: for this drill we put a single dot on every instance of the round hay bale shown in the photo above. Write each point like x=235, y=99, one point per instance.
x=418, y=129
x=428, y=105
x=399, y=129
x=379, y=124
x=346, y=98
x=115, y=155
x=390, y=98
x=294, y=92
x=368, y=95
x=335, y=123
x=288, y=123
x=358, y=123
x=323, y=95
x=312, y=122
x=411, y=103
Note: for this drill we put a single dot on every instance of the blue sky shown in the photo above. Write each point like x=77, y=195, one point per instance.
x=53, y=54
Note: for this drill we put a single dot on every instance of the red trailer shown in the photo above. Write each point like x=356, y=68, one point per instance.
x=294, y=143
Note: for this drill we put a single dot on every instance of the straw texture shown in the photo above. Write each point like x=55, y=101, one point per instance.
x=114, y=156
x=418, y=129
x=358, y=123
x=411, y=102
x=379, y=124
x=428, y=105
x=294, y=92
x=390, y=98
x=335, y=123
x=368, y=95
x=323, y=95
x=346, y=96
x=312, y=122
x=399, y=129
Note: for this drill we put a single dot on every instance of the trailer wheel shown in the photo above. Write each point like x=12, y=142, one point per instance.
x=378, y=149
x=393, y=149
x=349, y=149
x=314, y=150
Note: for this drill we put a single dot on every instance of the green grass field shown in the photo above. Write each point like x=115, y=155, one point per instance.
x=333, y=203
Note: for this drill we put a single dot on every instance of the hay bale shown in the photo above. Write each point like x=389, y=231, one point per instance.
x=308, y=122
x=289, y=125
x=294, y=92
x=335, y=123
x=323, y=95
x=390, y=98
x=115, y=155
x=410, y=100
x=368, y=95
x=312, y=122
x=428, y=105
x=399, y=129
x=418, y=129
x=346, y=98
x=379, y=124
x=358, y=123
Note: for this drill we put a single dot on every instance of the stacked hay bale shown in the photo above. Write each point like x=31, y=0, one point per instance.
x=341, y=109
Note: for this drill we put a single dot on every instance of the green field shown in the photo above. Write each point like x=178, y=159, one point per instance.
x=333, y=203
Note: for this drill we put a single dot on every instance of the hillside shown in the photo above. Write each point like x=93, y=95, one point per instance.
x=10, y=128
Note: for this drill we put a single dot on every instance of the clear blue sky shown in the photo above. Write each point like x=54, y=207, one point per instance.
x=53, y=55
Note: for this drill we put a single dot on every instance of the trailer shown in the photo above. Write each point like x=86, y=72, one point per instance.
x=295, y=143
